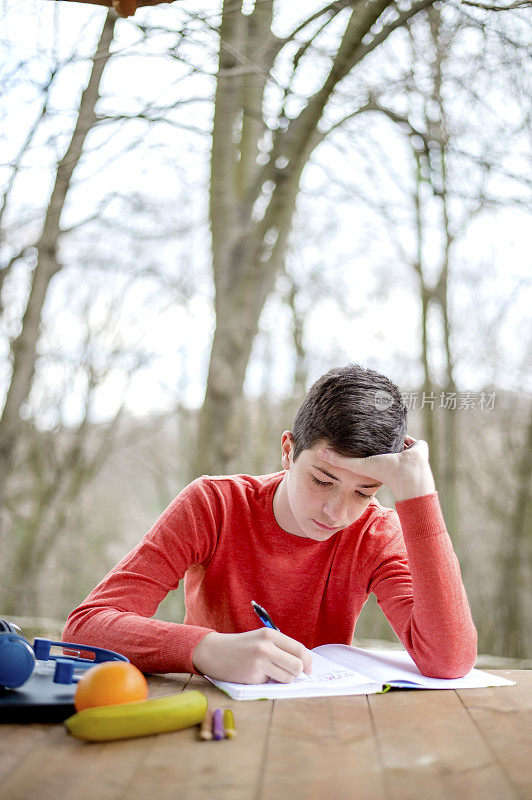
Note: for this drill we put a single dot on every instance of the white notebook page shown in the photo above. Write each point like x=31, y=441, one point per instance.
x=327, y=678
x=387, y=666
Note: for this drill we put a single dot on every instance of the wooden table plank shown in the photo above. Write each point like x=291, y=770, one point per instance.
x=181, y=766
x=60, y=766
x=64, y=767
x=16, y=742
x=321, y=747
x=429, y=748
x=504, y=718
x=403, y=745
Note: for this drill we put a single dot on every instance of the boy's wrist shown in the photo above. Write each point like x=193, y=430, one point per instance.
x=200, y=654
x=415, y=484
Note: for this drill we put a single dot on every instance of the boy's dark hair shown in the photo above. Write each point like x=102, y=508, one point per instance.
x=357, y=411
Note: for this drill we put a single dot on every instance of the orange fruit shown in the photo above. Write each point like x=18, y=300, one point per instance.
x=109, y=683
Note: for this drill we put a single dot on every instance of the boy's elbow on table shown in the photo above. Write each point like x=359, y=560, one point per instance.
x=449, y=665
x=450, y=655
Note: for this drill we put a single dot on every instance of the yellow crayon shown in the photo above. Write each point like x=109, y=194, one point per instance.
x=229, y=724
x=205, y=732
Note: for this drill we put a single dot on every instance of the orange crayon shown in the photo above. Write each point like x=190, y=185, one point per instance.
x=205, y=732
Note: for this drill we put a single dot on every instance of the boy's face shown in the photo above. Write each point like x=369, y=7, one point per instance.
x=319, y=500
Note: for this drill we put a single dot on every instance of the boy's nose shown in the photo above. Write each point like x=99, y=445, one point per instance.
x=336, y=512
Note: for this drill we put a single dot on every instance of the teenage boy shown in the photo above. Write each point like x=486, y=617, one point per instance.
x=309, y=543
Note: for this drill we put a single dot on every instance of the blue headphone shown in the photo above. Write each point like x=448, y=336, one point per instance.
x=18, y=657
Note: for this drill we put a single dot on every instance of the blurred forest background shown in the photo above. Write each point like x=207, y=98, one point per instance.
x=205, y=206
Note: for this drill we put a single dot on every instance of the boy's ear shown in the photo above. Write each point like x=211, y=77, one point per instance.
x=287, y=441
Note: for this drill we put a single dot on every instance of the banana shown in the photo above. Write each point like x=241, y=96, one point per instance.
x=142, y=718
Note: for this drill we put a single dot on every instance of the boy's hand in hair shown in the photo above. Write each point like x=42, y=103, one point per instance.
x=407, y=474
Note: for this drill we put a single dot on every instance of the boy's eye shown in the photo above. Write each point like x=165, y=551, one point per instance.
x=320, y=483
x=327, y=483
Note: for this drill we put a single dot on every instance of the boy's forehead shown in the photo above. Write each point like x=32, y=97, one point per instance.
x=339, y=473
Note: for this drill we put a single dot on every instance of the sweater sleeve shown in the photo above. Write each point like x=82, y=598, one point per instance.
x=418, y=585
x=116, y=614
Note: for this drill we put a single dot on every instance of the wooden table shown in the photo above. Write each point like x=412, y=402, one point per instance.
x=403, y=745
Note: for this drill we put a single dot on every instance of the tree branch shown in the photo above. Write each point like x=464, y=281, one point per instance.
x=25, y=145
x=490, y=7
x=6, y=269
x=332, y=10
x=223, y=179
x=148, y=118
x=295, y=140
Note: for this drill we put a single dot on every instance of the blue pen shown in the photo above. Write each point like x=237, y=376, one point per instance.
x=263, y=615
x=266, y=620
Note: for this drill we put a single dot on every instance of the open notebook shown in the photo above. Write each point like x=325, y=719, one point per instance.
x=339, y=669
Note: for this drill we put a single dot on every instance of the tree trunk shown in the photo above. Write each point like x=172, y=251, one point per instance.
x=300, y=370
x=516, y=555
x=427, y=407
x=238, y=307
x=249, y=242
x=448, y=477
x=24, y=348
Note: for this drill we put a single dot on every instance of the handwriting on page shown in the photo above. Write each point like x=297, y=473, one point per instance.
x=334, y=675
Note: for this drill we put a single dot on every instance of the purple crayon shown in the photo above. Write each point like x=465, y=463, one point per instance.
x=218, y=730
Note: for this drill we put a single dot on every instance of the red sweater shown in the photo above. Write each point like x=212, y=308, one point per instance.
x=221, y=535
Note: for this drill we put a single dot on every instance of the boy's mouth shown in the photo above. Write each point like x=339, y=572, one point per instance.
x=324, y=527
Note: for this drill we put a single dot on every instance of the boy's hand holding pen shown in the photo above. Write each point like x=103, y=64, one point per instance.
x=215, y=726
x=269, y=623
x=253, y=656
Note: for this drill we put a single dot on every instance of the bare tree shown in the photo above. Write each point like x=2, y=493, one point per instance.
x=434, y=203
x=24, y=346
x=55, y=436
x=56, y=463
x=257, y=162
x=259, y=151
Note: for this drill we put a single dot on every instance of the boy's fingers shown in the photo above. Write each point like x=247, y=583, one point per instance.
x=364, y=466
x=280, y=674
x=333, y=458
x=295, y=648
x=287, y=662
x=327, y=455
x=348, y=461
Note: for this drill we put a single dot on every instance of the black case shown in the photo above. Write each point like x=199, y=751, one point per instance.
x=38, y=700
